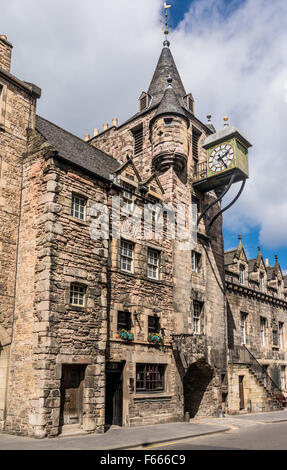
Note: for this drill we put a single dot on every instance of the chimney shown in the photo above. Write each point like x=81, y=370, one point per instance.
x=267, y=262
x=115, y=122
x=87, y=137
x=5, y=53
x=96, y=132
x=105, y=126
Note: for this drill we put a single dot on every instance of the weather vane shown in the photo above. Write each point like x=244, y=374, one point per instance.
x=166, y=7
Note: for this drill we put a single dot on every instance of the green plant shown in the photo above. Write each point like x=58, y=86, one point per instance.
x=155, y=338
x=124, y=334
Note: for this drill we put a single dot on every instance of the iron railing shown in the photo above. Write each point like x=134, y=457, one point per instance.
x=200, y=171
x=257, y=368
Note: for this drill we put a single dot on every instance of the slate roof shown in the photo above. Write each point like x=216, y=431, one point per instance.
x=170, y=104
x=75, y=150
x=270, y=271
x=251, y=265
x=229, y=256
x=165, y=68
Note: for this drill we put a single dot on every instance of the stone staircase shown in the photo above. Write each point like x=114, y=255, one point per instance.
x=274, y=403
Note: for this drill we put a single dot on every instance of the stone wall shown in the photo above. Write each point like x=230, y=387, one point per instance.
x=17, y=114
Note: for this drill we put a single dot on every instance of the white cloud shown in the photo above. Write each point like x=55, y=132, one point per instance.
x=237, y=65
x=93, y=59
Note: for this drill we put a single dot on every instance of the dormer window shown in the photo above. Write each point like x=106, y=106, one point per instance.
x=143, y=101
x=261, y=282
x=241, y=274
x=190, y=103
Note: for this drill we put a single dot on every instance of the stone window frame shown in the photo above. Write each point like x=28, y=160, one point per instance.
x=281, y=334
x=127, y=325
x=153, y=265
x=3, y=100
x=197, y=317
x=81, y=197
x=131, y=257
x=155, y=369
x=156, y=328
x=263, y=331
x=79, y=286
x=242, y=270
x=243, y=327
x=261, y=282
x=196, y=259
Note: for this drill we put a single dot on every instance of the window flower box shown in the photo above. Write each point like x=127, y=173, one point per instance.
x=126, y=335
x=155, y=338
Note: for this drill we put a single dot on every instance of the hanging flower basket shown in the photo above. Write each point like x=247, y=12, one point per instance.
x=126, y=335
x=155, y=338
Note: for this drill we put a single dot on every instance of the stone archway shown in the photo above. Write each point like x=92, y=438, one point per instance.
x=197, y=386
x=4, y=359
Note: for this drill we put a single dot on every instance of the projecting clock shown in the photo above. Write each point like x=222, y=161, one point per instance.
x=227, y=156
x=221, y=157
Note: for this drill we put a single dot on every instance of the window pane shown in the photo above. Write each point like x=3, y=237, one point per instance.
x=153, y=264
x=127, y=251
x=150, y=377
x=78, y=207
x=77, y=294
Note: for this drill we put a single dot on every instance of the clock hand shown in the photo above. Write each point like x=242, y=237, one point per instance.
x=221, y=159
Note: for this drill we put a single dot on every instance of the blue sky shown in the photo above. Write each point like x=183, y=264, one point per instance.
x=231, y=55
x=251, y=235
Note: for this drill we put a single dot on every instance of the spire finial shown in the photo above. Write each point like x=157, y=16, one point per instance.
x=166, y=7
x=239, y=237
x=226, y=119
x=259, y=249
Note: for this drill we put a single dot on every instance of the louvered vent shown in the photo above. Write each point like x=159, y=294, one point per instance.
x=195, y=140
x=143, y=102
x=190, y=103
x=138, y=140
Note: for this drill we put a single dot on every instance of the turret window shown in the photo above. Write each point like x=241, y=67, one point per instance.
x=167, y=122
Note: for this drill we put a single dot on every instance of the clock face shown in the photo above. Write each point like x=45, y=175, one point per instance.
x=221, y=157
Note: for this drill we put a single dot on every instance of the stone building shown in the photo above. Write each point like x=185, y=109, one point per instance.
x=124, y=328
x=256, y=308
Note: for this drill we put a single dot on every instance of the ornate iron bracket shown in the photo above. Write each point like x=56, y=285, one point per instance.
x=231, y=181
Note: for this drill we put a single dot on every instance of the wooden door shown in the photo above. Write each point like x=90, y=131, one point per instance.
x=114, y=397
x=72, y=394
x=241, y=393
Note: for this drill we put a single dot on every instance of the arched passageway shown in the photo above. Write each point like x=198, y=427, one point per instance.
x=195, y=385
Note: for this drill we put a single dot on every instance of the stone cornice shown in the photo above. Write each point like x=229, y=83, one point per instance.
x=240, y=289
x=32, y=89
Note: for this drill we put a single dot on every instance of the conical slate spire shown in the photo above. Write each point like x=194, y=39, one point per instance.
x=165, y=68
x=170, y=104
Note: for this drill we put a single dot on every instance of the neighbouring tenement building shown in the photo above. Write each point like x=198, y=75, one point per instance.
x=102, y=322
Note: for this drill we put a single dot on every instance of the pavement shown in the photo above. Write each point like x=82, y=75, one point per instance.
x=141, y=436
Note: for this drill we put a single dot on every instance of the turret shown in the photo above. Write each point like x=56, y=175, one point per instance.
x=168, y=130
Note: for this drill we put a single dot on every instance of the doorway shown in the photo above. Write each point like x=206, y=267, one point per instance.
x=241, y=392
x=72, y=385
x=114, y=393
